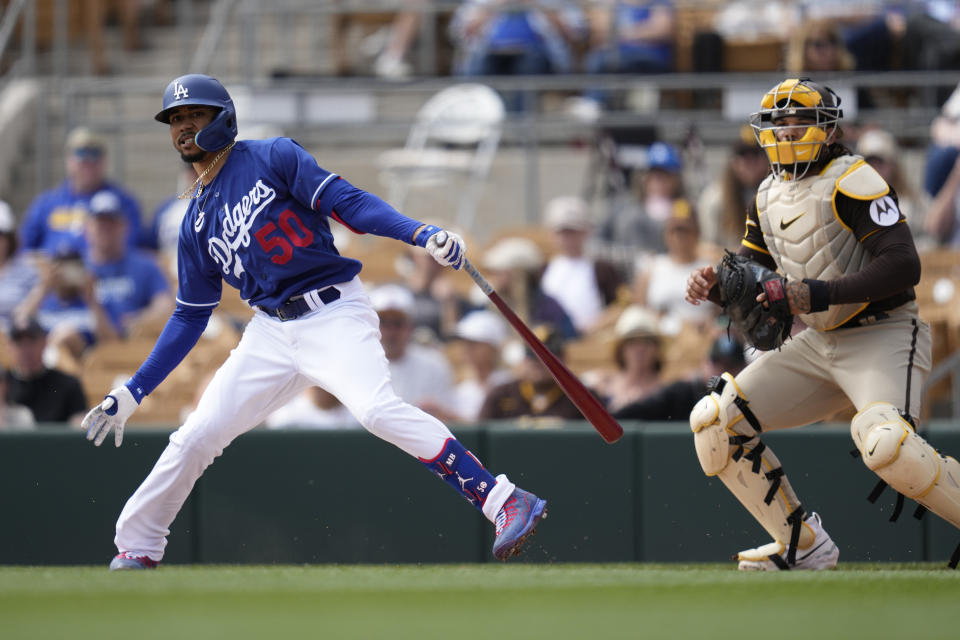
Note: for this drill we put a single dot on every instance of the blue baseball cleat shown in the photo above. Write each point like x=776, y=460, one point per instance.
x=126, y=560
x=516, y=521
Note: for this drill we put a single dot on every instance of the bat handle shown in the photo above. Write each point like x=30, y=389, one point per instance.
x=477, y=278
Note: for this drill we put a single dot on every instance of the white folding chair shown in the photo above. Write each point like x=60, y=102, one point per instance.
x=456, y=133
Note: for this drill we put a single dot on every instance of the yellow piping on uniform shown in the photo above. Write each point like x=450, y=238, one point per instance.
x=848, y=318
x=750, y=245
x=833, y=205
x=900, y=221
x=860, y=196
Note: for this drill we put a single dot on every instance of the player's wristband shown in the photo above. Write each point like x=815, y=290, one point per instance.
x=420, y=239
x=819, y=294
x=135, y=390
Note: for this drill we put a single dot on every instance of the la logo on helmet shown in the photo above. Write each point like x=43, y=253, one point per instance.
x=180, y=92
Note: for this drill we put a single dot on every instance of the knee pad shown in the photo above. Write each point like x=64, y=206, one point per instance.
x=892, y=449
x=712, y=420
x=726, y=436
x=904, y=460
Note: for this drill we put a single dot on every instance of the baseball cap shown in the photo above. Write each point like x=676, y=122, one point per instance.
x=105, y=203
x=83, y=141
x=7, y=222
x=877, y=143
x=482, y=326
x=567, y=212
x=29, y=328
x=392, y=297
x=665, y=157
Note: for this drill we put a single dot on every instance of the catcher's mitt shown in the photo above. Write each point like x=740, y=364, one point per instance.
x=740, y=281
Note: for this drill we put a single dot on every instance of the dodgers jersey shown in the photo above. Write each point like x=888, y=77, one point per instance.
x=54, y=222
x=259, y=227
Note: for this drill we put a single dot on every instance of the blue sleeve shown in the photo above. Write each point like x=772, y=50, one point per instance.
x=305, y=179
x=199, y=284
x=364, y=212
x=181, y=333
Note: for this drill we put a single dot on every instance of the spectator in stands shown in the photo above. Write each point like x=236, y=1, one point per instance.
x=932, y=36
x=314, y=408
x=65, y=305
x=420, y=375
x=638, y=353
x=504, y=37
x=437, y=303
x=583, y=286
x=880, y=149
x=628, y=36
x=675, y=400
x=534, y=393
x=129, y=284
x=514, y=267
x=17, y=274
x=817, y=46
x=661, y=278
x=635, y=222
x=56, y=217
x=391, y=63
x=51, y=395
x=722, y=206
x=942, y=174
x=13, y=417
x=481, y=335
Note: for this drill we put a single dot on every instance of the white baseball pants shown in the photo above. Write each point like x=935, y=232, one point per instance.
x=337, y=347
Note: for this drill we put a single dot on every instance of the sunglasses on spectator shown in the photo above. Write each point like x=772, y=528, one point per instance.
x=821, y=43
x=88, y=153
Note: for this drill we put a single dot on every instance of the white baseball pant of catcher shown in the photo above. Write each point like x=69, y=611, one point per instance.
x=336, y=347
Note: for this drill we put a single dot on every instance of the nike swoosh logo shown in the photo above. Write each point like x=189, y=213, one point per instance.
x=784, y=225
x=870, y=453
x=808, y=553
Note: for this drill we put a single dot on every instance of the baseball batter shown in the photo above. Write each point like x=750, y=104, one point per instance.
x=258, y=219
x=828, y=222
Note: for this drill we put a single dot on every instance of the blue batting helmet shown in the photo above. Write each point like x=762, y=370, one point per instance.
x=196, y=88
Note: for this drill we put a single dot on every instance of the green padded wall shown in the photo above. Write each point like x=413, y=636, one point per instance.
x=346, y=496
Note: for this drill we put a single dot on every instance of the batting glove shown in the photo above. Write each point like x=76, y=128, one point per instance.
x=112, y=413
x=446, y=247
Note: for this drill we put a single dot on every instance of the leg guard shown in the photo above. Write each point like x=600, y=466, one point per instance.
x=461, y=470
x=726, y=436
x=905, y=461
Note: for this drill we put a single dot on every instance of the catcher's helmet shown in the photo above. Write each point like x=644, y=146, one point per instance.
x=803, y=98
x=197, y=88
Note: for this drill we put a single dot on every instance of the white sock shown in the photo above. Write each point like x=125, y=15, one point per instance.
x=498, y=495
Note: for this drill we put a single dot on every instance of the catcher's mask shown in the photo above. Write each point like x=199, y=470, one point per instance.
x=802, y=98
x=196, y=88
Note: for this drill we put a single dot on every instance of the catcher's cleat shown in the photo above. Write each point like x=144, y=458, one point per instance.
x=128, y=560
x=822, y=554
x=516, y=521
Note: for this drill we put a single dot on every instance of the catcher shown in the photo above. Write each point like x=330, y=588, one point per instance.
x=829, y=223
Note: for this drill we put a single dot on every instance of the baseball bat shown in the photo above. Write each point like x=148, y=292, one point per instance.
x=586, y=402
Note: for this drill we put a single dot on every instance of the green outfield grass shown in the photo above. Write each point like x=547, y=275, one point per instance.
x=456, y=602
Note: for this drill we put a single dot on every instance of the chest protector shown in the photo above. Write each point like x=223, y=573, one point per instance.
x=806, y=237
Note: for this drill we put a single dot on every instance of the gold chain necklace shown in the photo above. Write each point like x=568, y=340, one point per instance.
x=185, y=195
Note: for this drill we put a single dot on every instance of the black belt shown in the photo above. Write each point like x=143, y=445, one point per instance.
x=298, y=305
